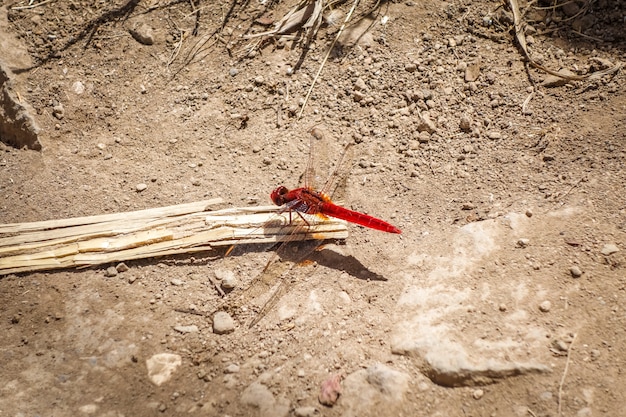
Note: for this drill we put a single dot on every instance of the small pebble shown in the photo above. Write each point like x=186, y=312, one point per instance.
x=478, y=394
x=560, y=345
x=227, y=278
x=545, y=306
x=177, y=282
x=121, y=267
x=232, y=369
x=609, y=249
x=110, y=272
x=233, y=72
x=143, y=34
x=494, y=135
x=131, y=279
x=466, y=123
x=186, y=329
x=523, y=242
x=575, y=271
x=305, y=411
x=502, y=307
x=595, y=354
x=140, y=187
x=78, y=87
x=223, y=323
x=529, y=213
x=58, y=111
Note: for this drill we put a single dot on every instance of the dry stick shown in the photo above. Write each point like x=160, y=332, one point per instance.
x=31, y=6
x=569, y=351
x=521, y=39
x=332, y=45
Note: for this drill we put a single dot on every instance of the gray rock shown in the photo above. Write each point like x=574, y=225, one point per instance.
x=110, y=272
x=58, y=111
x=232, y=369
x=18, y=127
x=466, y=123
x=223, y=323
x=425, y=124
x=259, y=396
x=478, y=394
x=121, y=267
x=575, y=271
x=494, y=135
x=388, y=381
x=545, y=306
x=609, y=248
x=161, y=366
x=186, y=329
x=306, y=411
x=143, y=34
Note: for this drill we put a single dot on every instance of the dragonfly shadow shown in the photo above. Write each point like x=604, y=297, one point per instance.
x=346, y=263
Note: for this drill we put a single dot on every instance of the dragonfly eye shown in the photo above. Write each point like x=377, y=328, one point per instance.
x=277, y=195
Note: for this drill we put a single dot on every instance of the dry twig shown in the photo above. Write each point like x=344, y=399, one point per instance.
x=332, y=45
x=569, y=351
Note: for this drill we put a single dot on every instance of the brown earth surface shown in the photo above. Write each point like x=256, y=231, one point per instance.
x=504, y=295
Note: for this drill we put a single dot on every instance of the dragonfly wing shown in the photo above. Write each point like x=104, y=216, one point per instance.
x=324, y=153
x=274, y=277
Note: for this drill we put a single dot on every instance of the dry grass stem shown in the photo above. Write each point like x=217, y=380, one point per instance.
x=569, y=352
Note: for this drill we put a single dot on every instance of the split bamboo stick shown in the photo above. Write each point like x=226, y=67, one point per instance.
x=184, y=228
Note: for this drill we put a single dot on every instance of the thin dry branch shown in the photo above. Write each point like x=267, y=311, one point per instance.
x=521, y=39
x=185, y=228
x=332, y=45
x=569, y=351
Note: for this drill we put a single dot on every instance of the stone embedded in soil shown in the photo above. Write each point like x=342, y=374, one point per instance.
x=162, y=366
x=176, y=282
x=425, y=124
x=575, y=271
x=306, y=411
x=186, y=329
x=388, y=381
x=232, y=369
x=465, y=123
x=110, y=272
x=58, y=111
x=227, y=278
x=17, y=123
x=140, y=187
x=472, y=72
x=330, y=390
x=259, y=396
x=378, y=389
x=143, y=34
x=609, y=249
x=223, y=323
x=545, y=306
x=121, y=267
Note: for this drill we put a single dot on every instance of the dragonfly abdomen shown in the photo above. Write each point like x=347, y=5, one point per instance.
x=333, y=210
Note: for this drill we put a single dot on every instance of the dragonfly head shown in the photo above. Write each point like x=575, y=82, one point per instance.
x=278, y=194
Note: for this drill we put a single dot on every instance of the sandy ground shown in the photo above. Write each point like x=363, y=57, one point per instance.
x=503, y=296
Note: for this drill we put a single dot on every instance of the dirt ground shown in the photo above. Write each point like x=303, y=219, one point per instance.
x=503, y=296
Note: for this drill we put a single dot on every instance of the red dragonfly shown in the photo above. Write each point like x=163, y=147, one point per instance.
x=311, y=201
x=307, y=200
